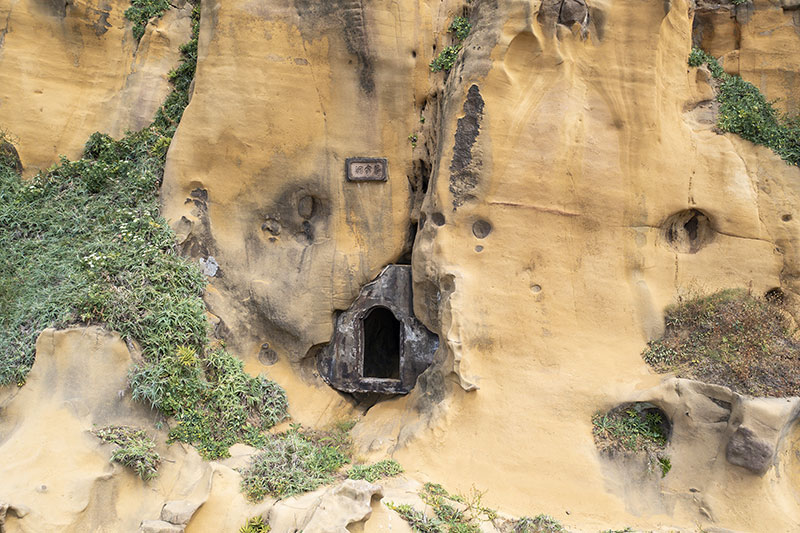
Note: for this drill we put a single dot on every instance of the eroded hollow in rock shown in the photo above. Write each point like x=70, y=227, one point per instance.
x=632, y=428
x=378, y=345
x=687, y=231
x=381, y=344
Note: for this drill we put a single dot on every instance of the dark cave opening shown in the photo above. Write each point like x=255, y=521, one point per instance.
x=381, y=344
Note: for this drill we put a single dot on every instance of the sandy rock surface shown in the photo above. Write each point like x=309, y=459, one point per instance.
x=69, y=69
x=543, y=204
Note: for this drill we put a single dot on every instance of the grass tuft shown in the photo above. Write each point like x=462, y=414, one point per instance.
x=136, y=450
x=294, y=462
x=372, y=473
x=539, y=524
x=142, y=11
x=452, y=513
x=255, y=525
x=730, y=338
x=633, y=429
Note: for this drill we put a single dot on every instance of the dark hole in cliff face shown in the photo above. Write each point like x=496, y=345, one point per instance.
x=381, y=344
x=378, y=345
x=687, y=231
x=774, y=296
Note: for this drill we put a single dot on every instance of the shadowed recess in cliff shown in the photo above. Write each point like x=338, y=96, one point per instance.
x=465, y=167
x=379, y=345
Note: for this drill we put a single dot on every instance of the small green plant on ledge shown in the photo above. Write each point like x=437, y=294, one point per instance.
x=460, y=27
x=255, y=525
x=136, y=450
x=730, y=338
x=296, y=461
x=452, y=513
x=739, y=2
x=372, y=473
x=539, y=524
x=747, y=113
x=142, y=11
x=634, y=428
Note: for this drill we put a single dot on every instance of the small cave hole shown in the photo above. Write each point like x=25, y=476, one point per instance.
x=381, y=344
x=481, y=228
x=687, y=231
x=438, y=219
x=306, y=207
x=413, y=53
x=786, y=218
x=632, y=428
x=774, y=295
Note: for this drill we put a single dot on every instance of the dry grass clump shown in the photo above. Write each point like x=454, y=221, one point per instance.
x=731, y=338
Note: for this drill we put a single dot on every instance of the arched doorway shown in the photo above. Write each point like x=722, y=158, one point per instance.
x=381, y=331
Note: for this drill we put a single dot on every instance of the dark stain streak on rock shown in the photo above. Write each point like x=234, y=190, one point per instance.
x=101, y=25
x=347, y=16
x=463, y=170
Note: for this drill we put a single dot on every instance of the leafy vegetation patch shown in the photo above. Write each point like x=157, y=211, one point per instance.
x=374, y=472
x=296, y=461
x=255, y=525
x=539, y=524
x=460, y=27
x=746, y=112
x=634, y=428
x=142, y=11
x=84, y=243
x=136, y=450
x=452, y=513
x=730, y=338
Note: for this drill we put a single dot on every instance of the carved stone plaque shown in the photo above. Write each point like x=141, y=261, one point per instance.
x=366, y=169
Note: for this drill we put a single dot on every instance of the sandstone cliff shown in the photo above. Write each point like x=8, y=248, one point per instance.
x=538, y=189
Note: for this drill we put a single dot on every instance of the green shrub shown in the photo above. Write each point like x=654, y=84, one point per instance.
x=460, y=27
x=372, y=473
x=255, y=525
x=142, y=11
x=453, y=513
x=446, y=58
x=295, y=462
x=215, y=402
x=747, y=113
x=729, y=338
x=136, y=450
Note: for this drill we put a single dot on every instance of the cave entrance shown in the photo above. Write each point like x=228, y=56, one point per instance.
x=381, y=344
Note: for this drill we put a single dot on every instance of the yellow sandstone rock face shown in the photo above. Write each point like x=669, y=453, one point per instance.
x=69, y=69
x=284, y=93
x=565, y=164
x=758, y=41
x=565, y=184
